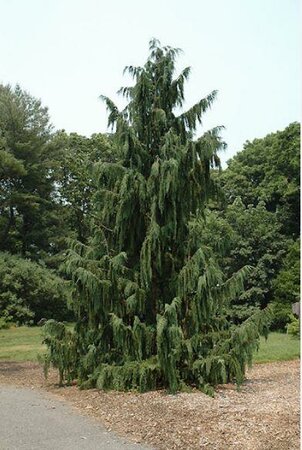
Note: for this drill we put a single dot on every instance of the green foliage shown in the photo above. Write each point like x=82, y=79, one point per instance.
x=27, y=214
x=260, y=224
x=61, y=349
x=24, y=344
x=259, y=242
x=74, y=157
x=287, y=283
x=141, y=191
x=293, y=328
x=29, y=292
x=141, y=376
x=268, y=169
x=149, y=296
x=286, y=287
x=46, y=182
x=239, y=236
x=282, y=312
x=4, y=324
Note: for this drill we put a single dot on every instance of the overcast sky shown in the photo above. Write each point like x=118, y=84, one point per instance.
x=68, y=52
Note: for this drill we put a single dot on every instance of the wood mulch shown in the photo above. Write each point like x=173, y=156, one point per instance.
x=263, y=415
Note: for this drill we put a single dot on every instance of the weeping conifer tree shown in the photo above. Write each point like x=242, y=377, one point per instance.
x=149, y=297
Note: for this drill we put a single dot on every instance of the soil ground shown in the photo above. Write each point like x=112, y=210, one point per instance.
x=263, y=415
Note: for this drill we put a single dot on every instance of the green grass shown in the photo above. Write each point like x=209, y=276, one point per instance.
x=24, y=344
x=21, y=344
x=278, y=347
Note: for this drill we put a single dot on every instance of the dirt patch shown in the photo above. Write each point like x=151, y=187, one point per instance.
x=264, y=415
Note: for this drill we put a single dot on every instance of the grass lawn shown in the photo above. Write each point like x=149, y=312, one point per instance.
x=21, y=344
x=278, y=347
x=24, y=344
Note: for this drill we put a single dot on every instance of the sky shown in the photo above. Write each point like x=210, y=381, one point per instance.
x=68, y=52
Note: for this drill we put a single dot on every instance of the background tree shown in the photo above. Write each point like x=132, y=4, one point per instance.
x=45, y=190
x=286, y=286
x=268, y=169
x=260, y=243
x=151, y=298
x=239, y=236
x=75, y=157
x=27, y=219
x=29, y=292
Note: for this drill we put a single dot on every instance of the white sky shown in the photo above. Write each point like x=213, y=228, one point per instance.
x=68, y=52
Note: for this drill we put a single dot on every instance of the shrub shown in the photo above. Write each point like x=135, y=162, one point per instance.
x=293, y=327
x=281, y=315
x=29, y=292
x=4, y=325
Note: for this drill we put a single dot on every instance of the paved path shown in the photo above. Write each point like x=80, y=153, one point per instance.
x=30, y=420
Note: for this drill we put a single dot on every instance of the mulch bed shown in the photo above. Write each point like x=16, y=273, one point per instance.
x=263, y=415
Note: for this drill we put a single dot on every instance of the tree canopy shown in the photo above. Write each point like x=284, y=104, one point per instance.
x=267, y=173
x=27, y=218
x=268, y=169
x=247, y=235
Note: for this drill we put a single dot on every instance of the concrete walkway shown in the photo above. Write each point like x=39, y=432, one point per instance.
x=31, y=420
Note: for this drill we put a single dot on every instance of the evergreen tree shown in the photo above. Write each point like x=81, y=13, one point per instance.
x=149, y=297
x=28, y=218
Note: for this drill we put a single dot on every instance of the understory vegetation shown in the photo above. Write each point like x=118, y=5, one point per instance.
x=170, y=267
x=29, y=292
